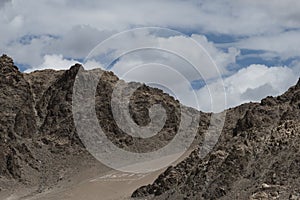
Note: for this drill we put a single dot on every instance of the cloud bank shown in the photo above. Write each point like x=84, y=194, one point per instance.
x=255, y=44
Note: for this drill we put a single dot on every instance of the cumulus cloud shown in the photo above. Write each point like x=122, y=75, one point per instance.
x=80, y=26
x=252, y=84
x=284, y=45
x=221, y=58
x=58, y=62
x=192, y=56
x=78, y=41
x=66, y=31
x=54, y=62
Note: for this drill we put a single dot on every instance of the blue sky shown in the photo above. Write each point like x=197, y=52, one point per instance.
x=255, y=44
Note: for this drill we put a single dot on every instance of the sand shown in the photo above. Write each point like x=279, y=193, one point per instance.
x=100, y=184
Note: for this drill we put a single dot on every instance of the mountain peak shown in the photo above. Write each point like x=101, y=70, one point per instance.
x=7, y=64
x=72, y=72
x=76, y=67
x=6, y=58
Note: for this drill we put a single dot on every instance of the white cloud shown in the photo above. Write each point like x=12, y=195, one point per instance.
x=285, y=45
x=78, y=41
x=80, y=26
x=76, y=44
x=187, y=55
x=70, y=29
x=54, y=62
x=222, y=59
x=249, y=17
x=58, y=62
x=252, y=84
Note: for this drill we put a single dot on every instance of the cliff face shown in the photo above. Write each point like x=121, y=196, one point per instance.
x=17, y=121
x=256, y=157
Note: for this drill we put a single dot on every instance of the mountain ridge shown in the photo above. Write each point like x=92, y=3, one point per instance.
x=39, y=146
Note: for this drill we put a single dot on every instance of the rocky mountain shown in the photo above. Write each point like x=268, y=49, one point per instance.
x=39, y=146
x=256, y=157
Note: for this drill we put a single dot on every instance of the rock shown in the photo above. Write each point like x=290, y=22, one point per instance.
x=294, y=197
x=259, y=196
x=265, y=186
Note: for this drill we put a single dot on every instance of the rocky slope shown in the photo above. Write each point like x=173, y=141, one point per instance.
x=39, y=145
x=256, y=157
x=29, y=154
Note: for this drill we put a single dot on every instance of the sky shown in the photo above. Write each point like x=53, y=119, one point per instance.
x=253, y=46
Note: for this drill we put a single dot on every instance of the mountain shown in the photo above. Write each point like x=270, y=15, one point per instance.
x=39, y=145
x=256, y=157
